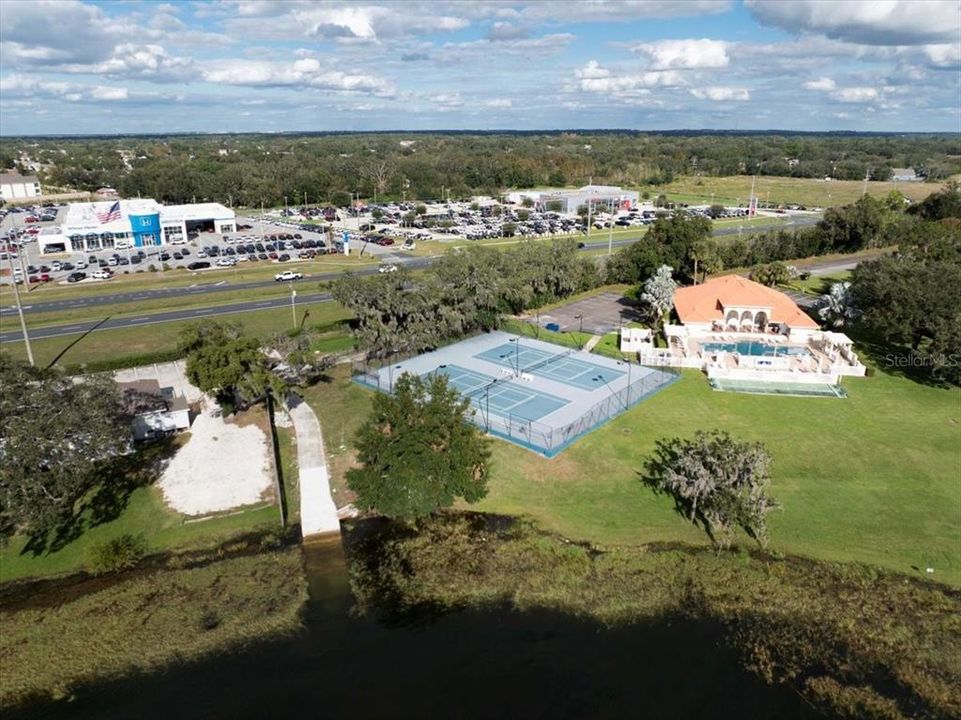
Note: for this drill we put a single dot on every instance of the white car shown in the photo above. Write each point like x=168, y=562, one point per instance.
x=80, y=265
x=387, y=269
x=288, y=275
x=121, y=245
x=226, y=262
x=102, y=275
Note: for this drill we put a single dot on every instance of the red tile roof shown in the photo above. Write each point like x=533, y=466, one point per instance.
x=706, y=302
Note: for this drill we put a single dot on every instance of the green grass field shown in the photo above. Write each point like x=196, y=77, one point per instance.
x=125, y=342
x=782, y=190
x=872, y=478
x=145, y=514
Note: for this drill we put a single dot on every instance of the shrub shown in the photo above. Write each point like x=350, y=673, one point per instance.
x=121, y=553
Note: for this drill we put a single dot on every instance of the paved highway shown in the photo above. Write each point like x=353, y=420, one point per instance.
x=8, y=315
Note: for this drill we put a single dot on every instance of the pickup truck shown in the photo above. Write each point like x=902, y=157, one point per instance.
x=288, y=275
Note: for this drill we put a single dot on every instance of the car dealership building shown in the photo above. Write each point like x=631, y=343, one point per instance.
x=88, y=227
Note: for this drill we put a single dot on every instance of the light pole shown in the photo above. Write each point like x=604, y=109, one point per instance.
x=286, y=210
x=580, y=331
x=627, y=403
x=610, y=232
x=261, y=221
x=517, y=354
x=293, y=305
x=390, y=373
x=23, y=322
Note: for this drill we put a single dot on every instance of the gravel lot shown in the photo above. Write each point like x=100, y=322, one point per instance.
x=222, y=466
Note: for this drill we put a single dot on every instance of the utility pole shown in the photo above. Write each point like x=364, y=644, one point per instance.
x=293, y=304
x=867, y=174
x=261, y=220
x=23, y=322
x=21, y=253
x=610, y=232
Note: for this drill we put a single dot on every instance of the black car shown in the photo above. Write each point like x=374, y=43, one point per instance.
x=92, y=260
x=178, y=256
x=283, y=258
x=241, y=249
x=229, y=251
x=185, y=252
x=76, y=277
x=271, y=246
x=298, y=236
x=262, y=256
x=32, y=270
x=135, y=259
x=198, y=265
x=213, y=251
x=252, y=257
x=67, y=266
x=165, y=256
x=251, y=248
x=260, y=247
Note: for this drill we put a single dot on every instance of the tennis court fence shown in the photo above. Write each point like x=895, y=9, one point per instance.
x=543, y=438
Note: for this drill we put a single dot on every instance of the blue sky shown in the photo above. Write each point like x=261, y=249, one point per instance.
x=68, y=66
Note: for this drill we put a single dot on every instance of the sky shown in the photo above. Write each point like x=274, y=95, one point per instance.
x=73, y=67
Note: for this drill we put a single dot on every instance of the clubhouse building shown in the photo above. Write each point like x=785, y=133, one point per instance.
x=739, y=331
x=88, y=227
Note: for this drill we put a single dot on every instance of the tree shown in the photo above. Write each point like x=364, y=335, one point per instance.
x=55, y=434
x=771, y=274
x=706, y=254
x=418, y=451
x=943, y=204
x=657, y=295
x=837, y=308
x=554, y=206
x=716, y=211
x=661, y=201
x=716, y=480
x=225, y=364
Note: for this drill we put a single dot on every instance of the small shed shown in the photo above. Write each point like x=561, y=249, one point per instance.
x=155, y=411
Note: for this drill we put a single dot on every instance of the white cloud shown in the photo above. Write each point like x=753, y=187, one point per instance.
x=53, y=31
x=306, y=72
x=720, y=94
x=596, y=79
x=856, y=94
x=824, y=84
x=593, y=11
x=506, y=31
x=22, y=86
x=150, y=62
x=101, y=92
x=945, y=55
x=872, y=22
x=498, y=103
x=685, y=54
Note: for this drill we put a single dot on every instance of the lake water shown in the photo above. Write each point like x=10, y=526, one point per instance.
x=495, y=663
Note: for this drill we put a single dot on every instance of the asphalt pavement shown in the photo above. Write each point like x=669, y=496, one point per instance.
x=8, y=315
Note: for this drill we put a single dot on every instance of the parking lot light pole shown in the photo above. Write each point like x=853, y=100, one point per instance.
x=261, y=221
x=610, y=232
x=293, y=304
x=627, y=404
x=580, y=331
x=23, y=322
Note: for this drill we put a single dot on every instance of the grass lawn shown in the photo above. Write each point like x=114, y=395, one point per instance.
x=820, y=284
x=872, y=478
x=287, y=447
x=108, y=344
x=146, y=515
x=804, y=191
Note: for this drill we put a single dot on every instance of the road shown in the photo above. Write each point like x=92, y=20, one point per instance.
x=8, y=315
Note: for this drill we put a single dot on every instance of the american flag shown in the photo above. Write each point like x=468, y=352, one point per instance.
x=110, y=214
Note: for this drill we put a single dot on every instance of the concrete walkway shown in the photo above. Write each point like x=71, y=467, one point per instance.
x=318, y=514
x=589, y=345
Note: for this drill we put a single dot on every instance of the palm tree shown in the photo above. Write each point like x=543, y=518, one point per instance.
x=836, y=308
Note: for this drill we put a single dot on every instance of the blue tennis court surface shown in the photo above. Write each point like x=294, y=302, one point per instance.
x=532, y=393
x=501, y=397
x=557, y=366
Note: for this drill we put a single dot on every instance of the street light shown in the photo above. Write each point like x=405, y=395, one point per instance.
x=517, y=354
x=580, y=331
x=293, y=305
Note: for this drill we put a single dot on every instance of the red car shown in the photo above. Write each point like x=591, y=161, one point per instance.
x=30, y=219
x=34, y=279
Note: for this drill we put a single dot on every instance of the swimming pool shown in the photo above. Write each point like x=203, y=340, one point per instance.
x=753, y=347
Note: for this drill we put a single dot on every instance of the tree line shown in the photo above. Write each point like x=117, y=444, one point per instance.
x=250, y=169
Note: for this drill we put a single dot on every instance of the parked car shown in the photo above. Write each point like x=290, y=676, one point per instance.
x=102, y=275
x=76, y=277
x=288, y=275
x=198, y=265
x=226, y=262
x=283, y=258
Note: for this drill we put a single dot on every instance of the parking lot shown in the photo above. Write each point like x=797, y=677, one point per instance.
x=275, y=240
x=598, y=315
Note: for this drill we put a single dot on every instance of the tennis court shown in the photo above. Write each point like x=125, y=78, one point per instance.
x=501, y=397
x=558, y=365
x=532, y=393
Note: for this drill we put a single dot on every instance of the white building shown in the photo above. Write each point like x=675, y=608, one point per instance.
x=601, y=196
x=14, y=186
x=139, y=222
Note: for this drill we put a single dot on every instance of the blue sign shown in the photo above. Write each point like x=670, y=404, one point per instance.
x=145, y=229
x=346, y=239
